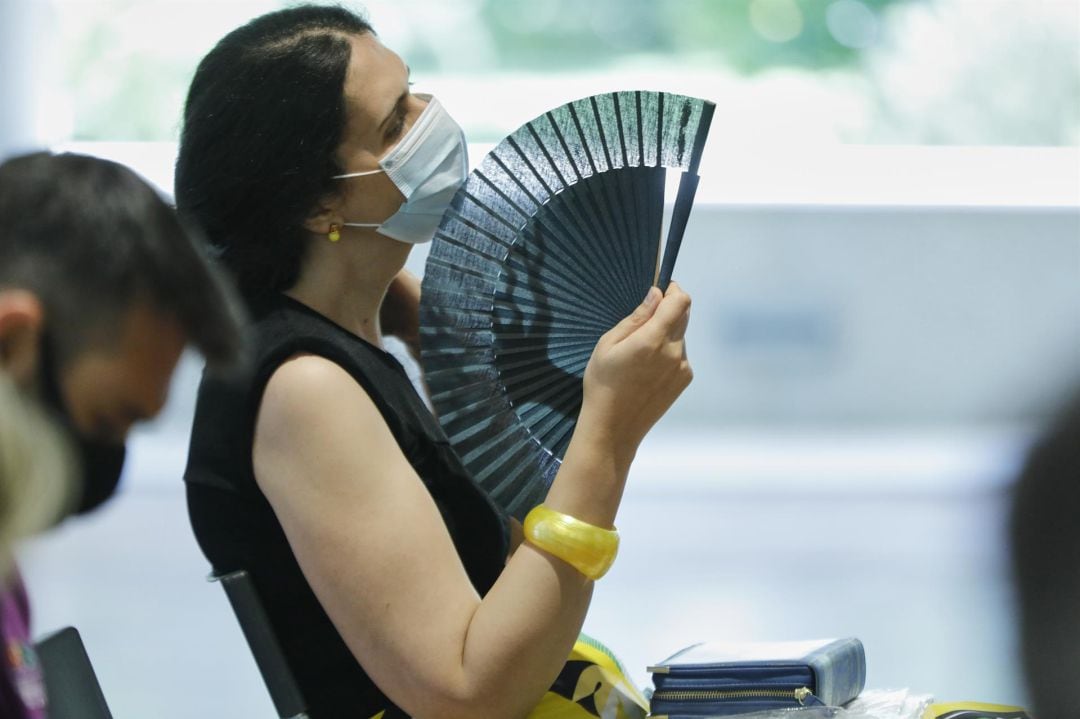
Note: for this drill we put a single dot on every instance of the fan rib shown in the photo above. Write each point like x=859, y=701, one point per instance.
x=540, y=423
x=568, y=268
x=524, y=364
x=587, y=140
x=619, y=124
x=464, y=270
x=485, y=446
x=518, y=358
x=600, y=130
x=505, y=197
x=608, y=182
x=513, y=476
x=640, y=128
x=530, y=239
x=482, y=252
x=499, y=161
x=497, y=216
x=585, y=241
x=512, y=142
x=578, y=174
x=500, y=303
x=659, y=126
x=510, y=289
x=704, y=123
x=540, y=390
x=616, y=248
x=599, y=258
x=468, y=222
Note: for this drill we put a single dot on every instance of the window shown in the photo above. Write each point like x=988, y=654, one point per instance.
x=938, y=72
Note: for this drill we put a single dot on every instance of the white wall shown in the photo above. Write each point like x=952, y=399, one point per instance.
x=24, y=72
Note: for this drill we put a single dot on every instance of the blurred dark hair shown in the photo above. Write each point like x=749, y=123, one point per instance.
x=264, y=117
x=1046, y=563
x=91, y=239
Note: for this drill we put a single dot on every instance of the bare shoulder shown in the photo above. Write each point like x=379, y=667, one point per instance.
x=314, y=420
x=308, y=388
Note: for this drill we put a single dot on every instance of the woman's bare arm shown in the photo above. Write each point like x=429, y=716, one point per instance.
x=374, y=548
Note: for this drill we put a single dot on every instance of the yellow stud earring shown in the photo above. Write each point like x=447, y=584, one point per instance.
x=334, y=235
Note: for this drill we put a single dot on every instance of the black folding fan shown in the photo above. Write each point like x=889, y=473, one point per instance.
x=554, y=238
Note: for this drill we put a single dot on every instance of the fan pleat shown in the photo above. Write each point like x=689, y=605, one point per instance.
x=535, y=344
x=556, y=246
x=558, y=325
x=591, y=118
x=483, y=442
x=581, y=116
x=613, y=245
x=540, y=370
x=499, y=211
x=523, y=207
x=468, y=265
x=555, y=424
x=571, y=279
x=575, y=285
x=535, y=157
x=510, y=472
x=540, y=390
x=524, y=366
x=554, y=238
x=575, y=160
x=561, y=229
x=503, y=162
x=624, y=230
x=590, y=245
x=551, y=427
x=480, y=223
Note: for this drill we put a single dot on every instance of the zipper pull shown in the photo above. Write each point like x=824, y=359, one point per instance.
x=807, y=698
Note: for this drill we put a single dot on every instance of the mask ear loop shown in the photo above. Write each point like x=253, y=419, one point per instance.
x=345, y=177
x=356, y=174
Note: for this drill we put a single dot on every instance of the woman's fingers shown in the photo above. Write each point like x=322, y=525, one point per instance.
x=672, y=316
x=637, y=318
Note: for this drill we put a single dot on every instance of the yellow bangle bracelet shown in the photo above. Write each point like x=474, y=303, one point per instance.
x=587, y=548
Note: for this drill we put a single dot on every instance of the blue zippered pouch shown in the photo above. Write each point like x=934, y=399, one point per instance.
x=717, y=679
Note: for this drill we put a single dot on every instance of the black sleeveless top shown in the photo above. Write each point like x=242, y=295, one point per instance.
x=237, y=528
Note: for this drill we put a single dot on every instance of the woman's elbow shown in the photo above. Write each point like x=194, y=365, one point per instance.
x=465, y=701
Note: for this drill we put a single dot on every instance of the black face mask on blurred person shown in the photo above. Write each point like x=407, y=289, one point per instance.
x=101, y=461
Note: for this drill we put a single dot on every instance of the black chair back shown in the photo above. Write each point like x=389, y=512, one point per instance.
x=262, y=641
x=70, y=682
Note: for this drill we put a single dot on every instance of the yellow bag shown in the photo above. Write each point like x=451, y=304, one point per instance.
x=973, y=710
x=592, y=684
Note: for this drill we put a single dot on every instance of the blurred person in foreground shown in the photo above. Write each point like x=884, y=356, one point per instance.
x=1046, y=564
x=101, y=290
x=35, y=486
x=36, y=469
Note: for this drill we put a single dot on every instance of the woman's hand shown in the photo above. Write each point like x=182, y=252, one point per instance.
x=399, y=315
x=637, y=371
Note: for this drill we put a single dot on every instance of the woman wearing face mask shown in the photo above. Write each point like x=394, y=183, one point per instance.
x=387, y=575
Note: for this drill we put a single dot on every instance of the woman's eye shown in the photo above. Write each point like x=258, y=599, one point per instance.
x=396, y=128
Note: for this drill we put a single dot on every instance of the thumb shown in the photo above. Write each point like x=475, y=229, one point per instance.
x=637, y=318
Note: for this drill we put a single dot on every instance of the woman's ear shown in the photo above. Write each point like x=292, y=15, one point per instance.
x=326, y=213
x=21, y=324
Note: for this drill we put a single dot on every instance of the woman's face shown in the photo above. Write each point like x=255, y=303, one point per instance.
x=380, y=110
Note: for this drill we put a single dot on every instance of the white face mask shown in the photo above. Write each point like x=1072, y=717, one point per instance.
x=428, y=165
